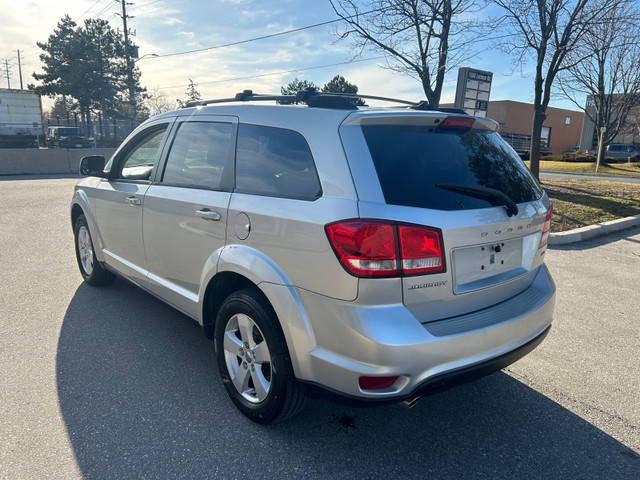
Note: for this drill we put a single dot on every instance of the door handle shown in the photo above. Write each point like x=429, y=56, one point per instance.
x=131, y=200
x=207, y=214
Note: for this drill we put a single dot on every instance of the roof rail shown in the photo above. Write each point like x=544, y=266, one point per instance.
x=313, y=98
x=424, y=105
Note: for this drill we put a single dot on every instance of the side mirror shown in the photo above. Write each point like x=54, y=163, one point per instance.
x=92, y=166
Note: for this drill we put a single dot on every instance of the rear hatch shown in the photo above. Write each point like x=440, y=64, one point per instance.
x=448, y=183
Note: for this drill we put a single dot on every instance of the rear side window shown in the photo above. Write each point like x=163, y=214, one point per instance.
x=199, y=154
x=412, y=160
x=275, y=162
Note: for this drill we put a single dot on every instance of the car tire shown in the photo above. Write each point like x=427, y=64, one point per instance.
x=91, y=270
x=253, y=359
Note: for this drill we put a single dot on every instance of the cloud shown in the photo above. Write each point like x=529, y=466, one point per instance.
x=173, y=21
x=168, y=27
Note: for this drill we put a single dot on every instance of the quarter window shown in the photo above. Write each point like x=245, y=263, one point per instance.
x=199, y=154
x=275, y=162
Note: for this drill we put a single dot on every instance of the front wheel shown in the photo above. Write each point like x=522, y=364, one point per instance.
x=253, y=359
x=90, y=268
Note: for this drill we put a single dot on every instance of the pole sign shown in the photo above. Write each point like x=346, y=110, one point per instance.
x=472, y=92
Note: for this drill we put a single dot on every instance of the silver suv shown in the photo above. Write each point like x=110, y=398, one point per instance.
x=368, y=255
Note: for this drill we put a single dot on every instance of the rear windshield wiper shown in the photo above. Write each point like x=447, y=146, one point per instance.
x=494, y=197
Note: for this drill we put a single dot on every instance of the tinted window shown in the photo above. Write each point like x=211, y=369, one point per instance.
x=412, y=160
x=141, y=156
x=198, y=154
x=275, y=162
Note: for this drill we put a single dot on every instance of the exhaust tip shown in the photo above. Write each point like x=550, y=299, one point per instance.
x=411, y=402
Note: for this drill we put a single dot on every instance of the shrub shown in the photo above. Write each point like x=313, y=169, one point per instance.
x=570, y=157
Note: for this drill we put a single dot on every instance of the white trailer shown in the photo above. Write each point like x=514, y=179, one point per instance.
x=20, y=118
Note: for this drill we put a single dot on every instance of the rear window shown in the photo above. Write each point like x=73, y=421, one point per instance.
x=412, y=160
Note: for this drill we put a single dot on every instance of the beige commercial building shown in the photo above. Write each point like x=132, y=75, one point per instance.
x=560, y=131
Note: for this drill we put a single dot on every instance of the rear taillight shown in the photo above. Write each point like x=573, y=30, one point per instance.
x=366, y=249
x=421, y=250
x=377, y=248
x=547, y=228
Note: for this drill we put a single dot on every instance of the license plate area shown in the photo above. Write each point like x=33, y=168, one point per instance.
x=482, y=266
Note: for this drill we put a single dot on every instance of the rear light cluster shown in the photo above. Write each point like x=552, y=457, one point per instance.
x=547, y=228
x=378, y=248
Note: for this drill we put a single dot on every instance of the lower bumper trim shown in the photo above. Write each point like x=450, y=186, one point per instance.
x=432, y=385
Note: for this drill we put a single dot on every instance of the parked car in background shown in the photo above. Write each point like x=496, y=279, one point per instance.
x=367, y=255
x=574, y=149
x=622, y=153
x=67, y=137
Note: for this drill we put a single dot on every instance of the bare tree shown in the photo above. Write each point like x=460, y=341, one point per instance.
x=606, y=69
x=157, y=102
x=422, y=38
x=547, y=30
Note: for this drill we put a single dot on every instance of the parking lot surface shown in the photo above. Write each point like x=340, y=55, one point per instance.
x=109, y=383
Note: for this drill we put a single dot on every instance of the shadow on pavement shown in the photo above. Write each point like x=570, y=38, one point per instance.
x=140, y=396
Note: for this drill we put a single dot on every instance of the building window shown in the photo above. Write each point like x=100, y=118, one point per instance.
x=567, y=121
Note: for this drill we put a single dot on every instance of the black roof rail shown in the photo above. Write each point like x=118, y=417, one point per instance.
x=313, y=98
x=244, y=96
x=424, y=105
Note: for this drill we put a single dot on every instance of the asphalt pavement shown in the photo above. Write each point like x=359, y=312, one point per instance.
x=110, y=383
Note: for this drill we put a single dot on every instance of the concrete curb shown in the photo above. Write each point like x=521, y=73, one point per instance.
x=592, y=231
x=603, y=175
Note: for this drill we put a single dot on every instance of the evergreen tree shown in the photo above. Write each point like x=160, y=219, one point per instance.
x=192, y=95
x=296, y=86
x=59, y=57
x=338, y=84
x=87, y=63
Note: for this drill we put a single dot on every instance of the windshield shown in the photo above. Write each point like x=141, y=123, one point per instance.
x=414, y=162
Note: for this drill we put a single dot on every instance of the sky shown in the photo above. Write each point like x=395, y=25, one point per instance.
x=167, y=28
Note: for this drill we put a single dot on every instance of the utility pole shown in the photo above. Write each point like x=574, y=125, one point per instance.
x=127, y=47
x=6, y=69
x=20, y=70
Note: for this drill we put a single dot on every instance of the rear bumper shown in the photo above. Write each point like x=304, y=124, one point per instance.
x=354, y=340
x=432, y=385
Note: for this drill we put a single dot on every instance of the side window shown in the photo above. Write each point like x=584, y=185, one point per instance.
x=198, y=154
x=138, y=162
x=275, y=162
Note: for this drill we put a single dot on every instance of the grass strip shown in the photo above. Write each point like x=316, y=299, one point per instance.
x=626, y=169
x=579, y=203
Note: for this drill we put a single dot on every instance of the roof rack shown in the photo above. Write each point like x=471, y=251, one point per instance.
x=313, y=98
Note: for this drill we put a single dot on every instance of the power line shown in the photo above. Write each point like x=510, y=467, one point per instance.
x=146, y=4
x=264, y=37
x=159, y=9
x=87, y=10
x=281, y=72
